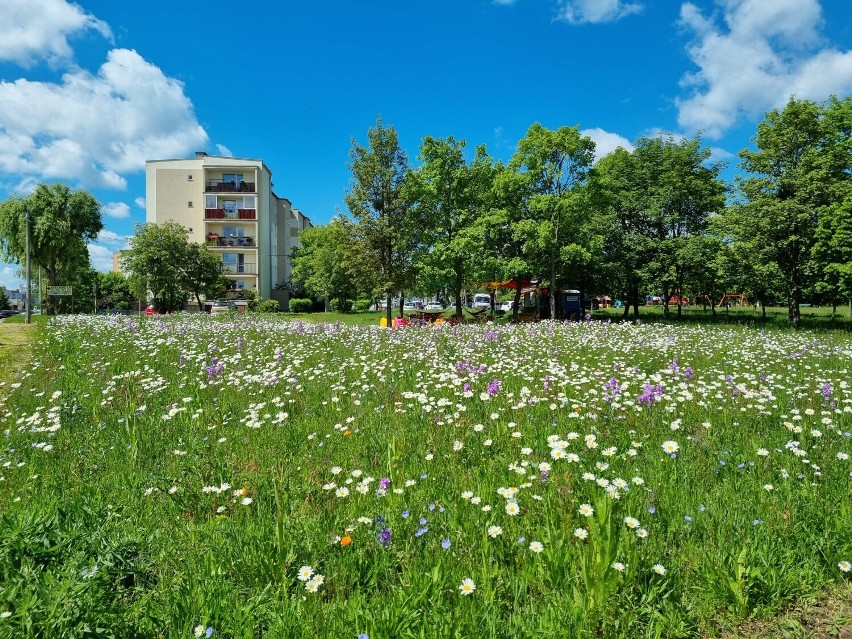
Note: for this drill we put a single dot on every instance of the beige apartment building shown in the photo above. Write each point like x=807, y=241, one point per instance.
x=229, y=205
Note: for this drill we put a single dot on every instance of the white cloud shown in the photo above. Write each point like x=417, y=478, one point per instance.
x=504, y=2
x=606, y=142
x=101, y=257
x=35, y=30
x=107, y=236
x=595, y=11
x=93, y=128
x=224, y=151
x=116, y=210
x=11, y=277
x=140, y=202
x=766, y=52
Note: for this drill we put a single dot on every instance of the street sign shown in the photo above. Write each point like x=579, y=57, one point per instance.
x=59, y=290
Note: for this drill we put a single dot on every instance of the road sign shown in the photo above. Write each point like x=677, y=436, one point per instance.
x=59, y=290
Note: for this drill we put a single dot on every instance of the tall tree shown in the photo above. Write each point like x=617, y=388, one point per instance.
x=800, y=166
x=680, y=189
x=323, y=262
x=450, y=196
x=832, y=252
x=377, y=200
x=625, y=224
x=62, y=222
x=163, y=261
x=553, y=166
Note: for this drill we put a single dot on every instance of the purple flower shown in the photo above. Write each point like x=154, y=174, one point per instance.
x=544, y=475
x=385, y=537
x=688, y=373
x=421, y=531
x=384, y=482
x=467, y=388
x=493, y=387
x=826, y=390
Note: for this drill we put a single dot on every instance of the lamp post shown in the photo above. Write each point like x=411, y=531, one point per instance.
x=28, y=316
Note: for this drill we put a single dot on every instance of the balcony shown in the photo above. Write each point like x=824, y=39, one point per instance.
x=224, y=214
x=217, y=241
x=221, y=186
x=239, y=269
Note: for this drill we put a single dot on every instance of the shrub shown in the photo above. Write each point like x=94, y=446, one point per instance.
x=268, y=306
x=363, y=304
x=341, y=306
x=301, y=305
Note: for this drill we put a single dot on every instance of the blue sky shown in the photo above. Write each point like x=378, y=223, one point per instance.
x=90, y=90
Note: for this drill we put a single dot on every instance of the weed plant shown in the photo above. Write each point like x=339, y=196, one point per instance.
x=253, y=477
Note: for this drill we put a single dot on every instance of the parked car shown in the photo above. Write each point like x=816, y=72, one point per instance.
x=434, y=306
x=5, y=313
x=507, y=307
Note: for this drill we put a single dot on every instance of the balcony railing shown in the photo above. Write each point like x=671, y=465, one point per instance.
x=223, y=214
x=220, y=242
x=240, y=269
x=221, y=186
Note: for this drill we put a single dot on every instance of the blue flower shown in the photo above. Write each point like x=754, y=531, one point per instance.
x=687, y=517
x=446, y=543
x=405, y=514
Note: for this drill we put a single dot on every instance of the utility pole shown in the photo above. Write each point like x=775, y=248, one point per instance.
x=28, y=316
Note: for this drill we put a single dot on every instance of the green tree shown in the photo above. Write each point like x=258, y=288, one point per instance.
x=624, y=222
x=680, y=190
x=451, y=196
x=323, y=262
x=4, y=299
x=113, y=291
x=832, y=252
x=553, y=166
x=62, y=223
x=163, y=261
x=387, y=234
x=801, y=165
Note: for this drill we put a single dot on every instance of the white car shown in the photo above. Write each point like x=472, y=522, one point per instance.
x=507, y=307
x=434, y=306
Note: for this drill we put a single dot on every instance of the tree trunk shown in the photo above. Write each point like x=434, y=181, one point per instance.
x=458, y=293
x=666, y=301
x=553, y=289
x=401, y=303
x=793, y=300
x=388, y=305
x=635, y=295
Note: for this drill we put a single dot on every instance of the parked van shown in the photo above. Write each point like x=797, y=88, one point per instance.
x=481, y=300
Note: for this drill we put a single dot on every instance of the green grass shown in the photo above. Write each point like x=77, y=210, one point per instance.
x=161, y=474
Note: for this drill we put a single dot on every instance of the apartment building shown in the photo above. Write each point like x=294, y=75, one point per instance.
x=229, y=205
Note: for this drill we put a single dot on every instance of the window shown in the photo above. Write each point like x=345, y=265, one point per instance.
x=189, y=178
x=249, y=202
x=236, y=178
x=189, y=204
x=241, y=284
x=210, y=202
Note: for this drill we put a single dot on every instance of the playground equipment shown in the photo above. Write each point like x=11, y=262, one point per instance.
x=734, y=299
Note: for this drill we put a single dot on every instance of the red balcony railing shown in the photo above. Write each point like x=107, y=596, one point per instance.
x=222, y=214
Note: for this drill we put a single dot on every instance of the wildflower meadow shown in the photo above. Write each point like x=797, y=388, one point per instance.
x=197, y=476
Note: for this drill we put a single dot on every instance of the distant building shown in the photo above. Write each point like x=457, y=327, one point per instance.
x=229, y=205
x=17, y=299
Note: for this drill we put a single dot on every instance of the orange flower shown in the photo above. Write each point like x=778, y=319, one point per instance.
x=346, y=541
